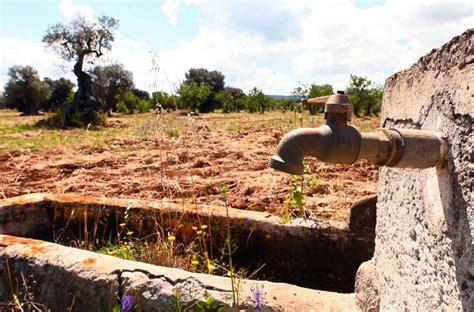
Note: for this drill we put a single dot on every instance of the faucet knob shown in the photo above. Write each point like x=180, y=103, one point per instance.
x=339, y=103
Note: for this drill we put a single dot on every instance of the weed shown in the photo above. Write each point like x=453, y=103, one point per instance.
x=173, y=132
x=295, y=198
x=126, y=250
x=201, y=259
x=209, y=304
x=229, y=250
x=235, y=128
x=178, y=300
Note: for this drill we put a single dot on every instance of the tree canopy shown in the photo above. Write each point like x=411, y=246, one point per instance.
x=231, y=99
x=193, y=95
x=214, y=79
x=364, y=95
x=256, y=100
x=60, y=90
x=109, y=82
x=81, y=38
x=141, y=94
x=24, y=90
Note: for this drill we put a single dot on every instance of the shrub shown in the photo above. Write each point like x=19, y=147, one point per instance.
x=143, y=106
x=122, y=107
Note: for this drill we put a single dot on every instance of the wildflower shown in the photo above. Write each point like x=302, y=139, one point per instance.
x=126, y=303
x=129, y=233
x=195, y=228
x=194, y=262
x=204, y=227
x=258, y=295
x=230, y=273
x=171, y=238
x=122, y=224
x=211, y=267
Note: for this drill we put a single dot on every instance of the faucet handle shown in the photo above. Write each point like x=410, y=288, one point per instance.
x=317, y=100
x=336, y=103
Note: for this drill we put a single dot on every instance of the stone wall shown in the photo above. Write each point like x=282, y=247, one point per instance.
x=425, y=221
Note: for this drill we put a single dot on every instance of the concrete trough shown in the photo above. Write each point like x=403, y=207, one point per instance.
x=319, y=255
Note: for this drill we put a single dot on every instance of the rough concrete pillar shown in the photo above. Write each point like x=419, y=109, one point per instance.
x=424, y=254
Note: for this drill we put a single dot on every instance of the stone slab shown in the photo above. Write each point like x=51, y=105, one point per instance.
x=65, y=278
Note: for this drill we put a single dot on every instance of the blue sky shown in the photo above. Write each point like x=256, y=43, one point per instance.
x=273, y=45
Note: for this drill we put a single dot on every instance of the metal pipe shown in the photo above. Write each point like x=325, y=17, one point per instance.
x=334, y=142
x=338, y=142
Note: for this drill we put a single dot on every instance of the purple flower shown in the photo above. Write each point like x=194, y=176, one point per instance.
x=258, y=294
x=126, y=304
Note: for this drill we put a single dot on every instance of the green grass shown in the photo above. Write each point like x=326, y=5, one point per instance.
x=19, y=132
x=15, y=128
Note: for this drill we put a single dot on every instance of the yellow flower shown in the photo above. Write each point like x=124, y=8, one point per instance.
x=171, y=238
x=195, y=228
x=211, y=267
x=195, y=262
x=199, y=232
x=204, y=227
x=230, y=273
x=129, y=233
x=122, y=224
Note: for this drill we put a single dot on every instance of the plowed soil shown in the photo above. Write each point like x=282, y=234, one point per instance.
x=183, y=158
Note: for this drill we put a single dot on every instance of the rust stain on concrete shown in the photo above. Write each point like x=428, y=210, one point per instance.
x=89, y=261
x=35, y=246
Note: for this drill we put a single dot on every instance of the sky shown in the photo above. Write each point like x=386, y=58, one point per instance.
x=272, y=45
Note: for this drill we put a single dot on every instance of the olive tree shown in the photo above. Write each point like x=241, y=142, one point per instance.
x=193, y=95
x=25, y=91
x=109, y=83
x=60, y=90
x=82, y=41
x=213, y=79
x=257, y=101
x=359, y=93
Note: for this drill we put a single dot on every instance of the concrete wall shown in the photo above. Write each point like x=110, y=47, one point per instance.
x=423, y=257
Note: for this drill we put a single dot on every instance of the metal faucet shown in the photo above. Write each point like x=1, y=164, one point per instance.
x=338, y=142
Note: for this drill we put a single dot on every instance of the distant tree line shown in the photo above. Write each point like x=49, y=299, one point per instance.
x=201, y=91
x=112, y=86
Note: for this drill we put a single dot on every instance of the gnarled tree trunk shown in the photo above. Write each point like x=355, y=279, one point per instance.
x=85, y=105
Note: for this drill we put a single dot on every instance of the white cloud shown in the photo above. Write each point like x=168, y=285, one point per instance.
x=333, y=40
x=171, y=9
x=72, y=11
x=23, y=52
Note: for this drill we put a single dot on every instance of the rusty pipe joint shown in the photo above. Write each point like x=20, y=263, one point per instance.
x=338, y=142
x=403, y=148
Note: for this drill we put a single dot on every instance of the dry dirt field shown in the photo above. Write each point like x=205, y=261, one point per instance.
x=179, y=158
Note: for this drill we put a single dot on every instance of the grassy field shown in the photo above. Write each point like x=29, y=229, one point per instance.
x=180, y=158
